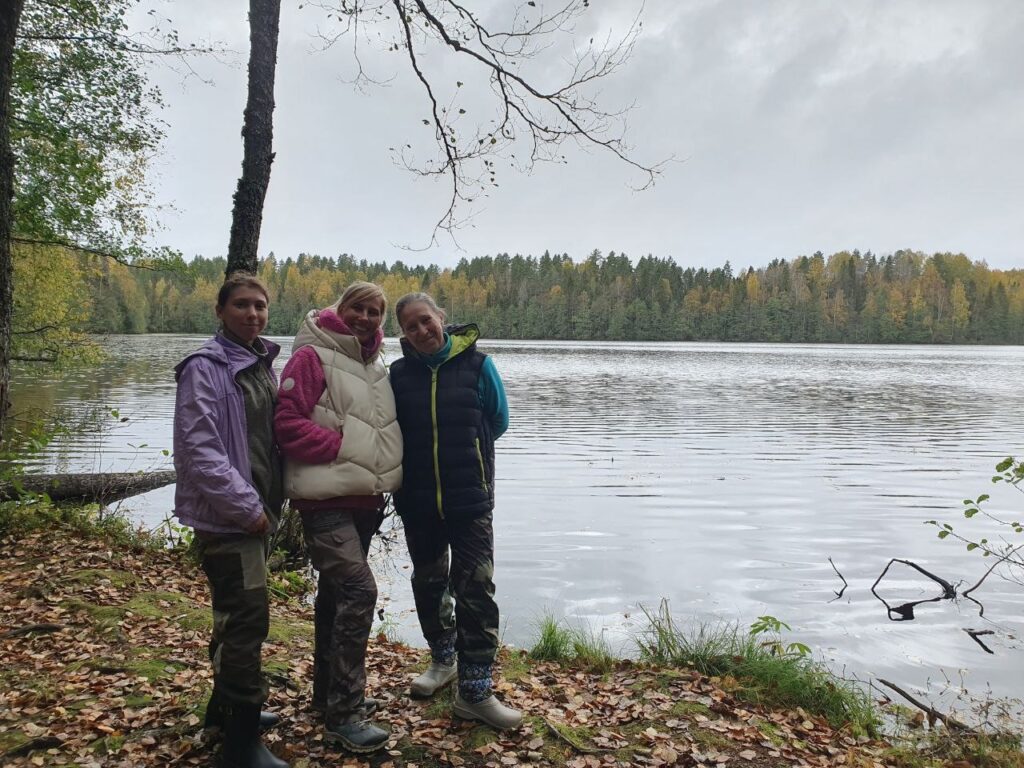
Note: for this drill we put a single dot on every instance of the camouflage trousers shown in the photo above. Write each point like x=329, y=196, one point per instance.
x=343, y=614
x=236, y=567
x=453, y=584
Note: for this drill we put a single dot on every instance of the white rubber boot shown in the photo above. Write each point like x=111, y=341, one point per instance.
x=489, y=711
x=434, y=679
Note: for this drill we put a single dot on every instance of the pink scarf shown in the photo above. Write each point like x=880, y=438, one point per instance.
x=330, y=320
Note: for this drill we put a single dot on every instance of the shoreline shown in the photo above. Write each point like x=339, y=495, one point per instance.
x=105, y=643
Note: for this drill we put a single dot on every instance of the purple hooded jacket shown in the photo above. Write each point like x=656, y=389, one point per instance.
x=214, y=492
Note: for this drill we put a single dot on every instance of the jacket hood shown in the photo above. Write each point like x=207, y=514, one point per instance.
x=325, y=328
x=235, y=357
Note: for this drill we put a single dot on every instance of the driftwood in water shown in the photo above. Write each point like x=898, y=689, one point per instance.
x=933, y=714
x=103, y=487
x=905, y=611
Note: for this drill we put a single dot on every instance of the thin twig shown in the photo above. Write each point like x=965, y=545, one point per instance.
x=1012, y=552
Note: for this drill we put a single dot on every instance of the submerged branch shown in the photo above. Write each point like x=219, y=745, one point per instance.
x=838, y=594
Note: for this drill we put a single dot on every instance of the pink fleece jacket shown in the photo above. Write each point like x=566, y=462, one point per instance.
x=302, y=384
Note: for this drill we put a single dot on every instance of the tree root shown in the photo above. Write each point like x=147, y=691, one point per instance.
x=30, y=628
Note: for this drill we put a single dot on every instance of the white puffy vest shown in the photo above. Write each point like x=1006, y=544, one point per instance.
x=358, y=402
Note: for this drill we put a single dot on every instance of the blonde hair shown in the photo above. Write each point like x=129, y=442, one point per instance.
x=361, y=290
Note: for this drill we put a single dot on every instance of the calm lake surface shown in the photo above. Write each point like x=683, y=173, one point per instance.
x=719, y=477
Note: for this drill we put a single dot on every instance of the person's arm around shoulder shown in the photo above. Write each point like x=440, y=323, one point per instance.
x=298, y=436
x=492, y=398
x=200, y=450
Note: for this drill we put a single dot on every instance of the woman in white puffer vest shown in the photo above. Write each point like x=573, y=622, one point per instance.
x=337, y=428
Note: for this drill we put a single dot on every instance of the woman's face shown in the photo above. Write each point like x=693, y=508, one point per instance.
x=245, y=313
x=364, y=318
x=423, y=327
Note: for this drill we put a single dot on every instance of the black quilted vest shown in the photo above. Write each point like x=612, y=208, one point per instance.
x=445, y=434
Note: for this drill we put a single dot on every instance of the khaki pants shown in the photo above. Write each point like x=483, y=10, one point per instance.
x=236, y=567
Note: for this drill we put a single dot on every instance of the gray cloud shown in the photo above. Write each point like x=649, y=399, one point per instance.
x=799, y=125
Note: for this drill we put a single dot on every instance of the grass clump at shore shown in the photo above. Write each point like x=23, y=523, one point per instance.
x=757, y=665
x=578, y=646
x=766, y=670
x=553, y=642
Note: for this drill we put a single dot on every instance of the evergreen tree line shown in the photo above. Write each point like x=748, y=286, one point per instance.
x=903, y=297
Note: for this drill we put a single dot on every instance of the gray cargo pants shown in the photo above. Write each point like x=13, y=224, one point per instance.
x=345, y=599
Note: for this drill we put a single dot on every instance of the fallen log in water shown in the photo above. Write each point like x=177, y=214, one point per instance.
x=102, y=487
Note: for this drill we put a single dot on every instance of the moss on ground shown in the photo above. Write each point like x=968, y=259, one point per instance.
x=287, y=631
x=11, y=740
x=90, y=576
x=147, y=605
x=513, y=665
x=771, y=732
x=709, y=739
x=440, y=704
x=688, y=709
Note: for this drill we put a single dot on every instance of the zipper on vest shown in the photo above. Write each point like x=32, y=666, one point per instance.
x=480, y=458
x=433, y=419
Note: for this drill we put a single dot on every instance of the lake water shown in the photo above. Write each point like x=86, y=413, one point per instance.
x=719, y=477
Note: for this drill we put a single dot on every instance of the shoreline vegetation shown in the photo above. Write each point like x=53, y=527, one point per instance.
x=905, y=297
x=104, y=636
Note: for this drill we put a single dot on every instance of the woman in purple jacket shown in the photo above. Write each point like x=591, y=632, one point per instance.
x=229, y=492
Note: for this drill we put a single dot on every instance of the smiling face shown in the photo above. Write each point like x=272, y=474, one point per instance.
x=423, y=327
x=364, y=317
x=244, y=314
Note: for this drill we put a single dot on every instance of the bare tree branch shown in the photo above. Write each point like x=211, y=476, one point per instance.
x=34, y=330
x=540, y=116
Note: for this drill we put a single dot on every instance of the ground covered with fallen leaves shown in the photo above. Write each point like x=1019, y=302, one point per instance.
x=104, y=664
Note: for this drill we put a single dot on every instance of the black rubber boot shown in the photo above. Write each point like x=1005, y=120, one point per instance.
x=214, y=720
x=242, y=747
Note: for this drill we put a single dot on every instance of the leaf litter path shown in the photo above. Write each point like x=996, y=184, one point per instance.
x=105, y=664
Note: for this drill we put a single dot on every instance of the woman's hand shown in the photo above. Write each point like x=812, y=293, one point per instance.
x=261, y=526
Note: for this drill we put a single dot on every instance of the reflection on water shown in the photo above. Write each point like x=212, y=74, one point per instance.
x=721, y=477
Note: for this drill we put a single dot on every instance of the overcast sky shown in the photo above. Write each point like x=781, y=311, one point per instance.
x=797, y=126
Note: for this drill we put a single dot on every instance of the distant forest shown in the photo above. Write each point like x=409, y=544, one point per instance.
x=903, y=297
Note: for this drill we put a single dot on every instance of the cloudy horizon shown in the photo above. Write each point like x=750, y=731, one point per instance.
x=795, y=127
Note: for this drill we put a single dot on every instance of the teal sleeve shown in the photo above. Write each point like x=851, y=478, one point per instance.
x=492, y=398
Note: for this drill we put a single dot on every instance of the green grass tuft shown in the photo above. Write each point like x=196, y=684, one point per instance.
x=580, y=646
x=554, y=643
x=766, y=677
x=591, y=651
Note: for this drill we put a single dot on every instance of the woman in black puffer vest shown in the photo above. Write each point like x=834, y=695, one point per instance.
x=451, y=408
